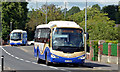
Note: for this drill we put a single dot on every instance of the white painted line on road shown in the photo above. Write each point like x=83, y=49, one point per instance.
x=21, y=59
x=12, y=55
x=9, y=54
x=53, y=67
x=42, y=65
x=27, y=61
x=16, y=57
x=62, y=69
x=34, y=62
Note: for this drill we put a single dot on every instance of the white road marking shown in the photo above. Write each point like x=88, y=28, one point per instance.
x=53, y=67
x=12, y=55
x=34, y=62
x=25, y=60
x=62, y=69
x=21, y=59
x=16, y=57
x=42, y=65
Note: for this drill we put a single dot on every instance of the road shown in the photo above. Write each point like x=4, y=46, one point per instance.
x=22, y=58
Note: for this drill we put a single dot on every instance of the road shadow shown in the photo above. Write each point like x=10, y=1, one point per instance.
x=86, y=65
x=96, y=65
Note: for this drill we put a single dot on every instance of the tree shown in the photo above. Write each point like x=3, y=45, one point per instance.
x=38, y=16
x=96, y=6
x=15, y=12
x=100, y=27
x=73, y=10
x=113, y=12
x=53, y=12
x=80, y=16
x=0, y=6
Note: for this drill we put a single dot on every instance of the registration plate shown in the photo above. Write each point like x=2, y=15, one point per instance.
x=68, y=60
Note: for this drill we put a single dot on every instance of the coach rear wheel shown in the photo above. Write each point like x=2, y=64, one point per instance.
x=46, y=62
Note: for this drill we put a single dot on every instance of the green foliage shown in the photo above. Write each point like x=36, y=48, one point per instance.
x=113, y=12
x=96, y=6
x=77, y=17
x=94, y=45
x=15, y=12
x=118, y=31
x=114, y=41
x=0, y=6
x=73, y=10
x=38, y=16
x=100, y=27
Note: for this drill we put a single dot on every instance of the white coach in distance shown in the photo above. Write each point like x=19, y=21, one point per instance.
x=18, y=37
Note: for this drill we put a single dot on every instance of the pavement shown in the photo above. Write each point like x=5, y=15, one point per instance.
x=22, y=58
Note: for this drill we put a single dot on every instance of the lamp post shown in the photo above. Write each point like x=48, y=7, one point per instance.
x=36, y=14
x=10, y=26
x=46, y=11
x=85, y=28
x=65, y=10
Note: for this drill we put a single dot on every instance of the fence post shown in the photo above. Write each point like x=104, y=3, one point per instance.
x=118, y=52
x=109, y=51
x=100, y=50
x=91, y=51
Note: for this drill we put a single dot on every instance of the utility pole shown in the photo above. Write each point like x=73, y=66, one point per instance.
x=10, y=26
x=36, y=14
x=1, y=28
x=65, y=11
x=85, y=28
x=46, y=11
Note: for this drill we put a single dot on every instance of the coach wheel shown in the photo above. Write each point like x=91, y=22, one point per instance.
x=38, y=59
x=46, y=62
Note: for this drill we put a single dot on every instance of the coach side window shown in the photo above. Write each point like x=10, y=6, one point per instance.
x=44, y=33
x=36, y=34
x=39, y=33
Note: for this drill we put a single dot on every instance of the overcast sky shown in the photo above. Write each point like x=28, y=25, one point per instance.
x=76, y=0
x=70, y=3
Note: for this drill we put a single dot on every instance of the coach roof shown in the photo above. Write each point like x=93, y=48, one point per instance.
x=17, y=30
x=59, y=24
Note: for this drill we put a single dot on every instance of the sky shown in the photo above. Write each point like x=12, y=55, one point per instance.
x=61, y=3
x=75, y=0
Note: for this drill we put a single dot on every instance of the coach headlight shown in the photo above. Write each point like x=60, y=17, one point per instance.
x=53, y=56
x=83, y=57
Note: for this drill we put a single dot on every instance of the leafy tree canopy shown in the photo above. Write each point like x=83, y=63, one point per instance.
x=15, y=12
x=113, y=12
x=73, y=10
x=96, y=6
x=99, y=26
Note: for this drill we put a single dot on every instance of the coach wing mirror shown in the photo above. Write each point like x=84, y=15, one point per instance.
x=87, y=35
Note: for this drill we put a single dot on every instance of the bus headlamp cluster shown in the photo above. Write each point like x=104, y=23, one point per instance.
x=83, y=57
x=53, y=56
